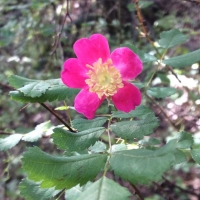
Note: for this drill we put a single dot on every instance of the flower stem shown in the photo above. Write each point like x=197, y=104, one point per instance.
x=110, y=148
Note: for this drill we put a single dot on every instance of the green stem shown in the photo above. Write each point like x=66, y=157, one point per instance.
x=110, y=147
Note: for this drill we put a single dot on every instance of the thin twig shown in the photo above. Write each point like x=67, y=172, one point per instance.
x=57, y=40
x=163, y=112
x=141, y=21
x=137, y=191
x=57, y=116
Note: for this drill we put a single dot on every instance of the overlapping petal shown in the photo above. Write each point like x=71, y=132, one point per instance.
x=127, y=98
x=90, y=50
x=74, y=73
x=87, y=103
x=127, y=62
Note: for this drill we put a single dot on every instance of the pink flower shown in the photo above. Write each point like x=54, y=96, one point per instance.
x=102, y=75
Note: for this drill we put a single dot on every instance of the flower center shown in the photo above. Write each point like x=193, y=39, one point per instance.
x=104, y=78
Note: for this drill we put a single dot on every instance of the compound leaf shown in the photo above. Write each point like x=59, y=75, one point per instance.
x=105, y=189
x=61, y=172
x=69, y=141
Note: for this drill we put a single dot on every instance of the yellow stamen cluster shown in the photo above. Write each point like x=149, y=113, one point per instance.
x=104, y=78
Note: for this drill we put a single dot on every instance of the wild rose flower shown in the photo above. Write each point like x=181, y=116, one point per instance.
x=101, y=75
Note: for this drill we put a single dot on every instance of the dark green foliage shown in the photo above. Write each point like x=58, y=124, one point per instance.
x=61, y=172
x=69, y=141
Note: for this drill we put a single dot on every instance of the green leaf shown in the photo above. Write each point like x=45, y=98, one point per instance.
x=183, y=60
x=196, y=155
x=37, y=133
x=98, y=147
x=18, y=81
x=9, y=142
x=141, y=165
x=118, y=147
x=83, y=124
x=161, y=92
x=73, y=193
x=179, y=157
x=140, y=112
x=61, y=172
x=35, y=89
x=31, y=191
x=135, y=129
x=69, y=141
x=30, y=90
x=105, y=189
x=184, y=140
x=171, y=38
x=145, y=57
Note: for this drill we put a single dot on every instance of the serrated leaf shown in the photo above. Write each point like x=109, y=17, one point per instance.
x=118, y=147
x=31, y=191
x=196, y=155
x=171, y=38
x=9, y=142
x=73, y=193
x=98, y=147
x=37, y=133
x=35, y=89
x=61, y=172
x=28, y=90
x=140, y=112
x=183, y=60
x=179, y=157
x=141, y=165
x=135, y=129
x=69, y=141
x=145, y=57
x=83, y=124
x=105, y=189
x=18, y=81
x=161, y=92
x=184, y=140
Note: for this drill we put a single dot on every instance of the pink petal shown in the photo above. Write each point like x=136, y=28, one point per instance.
x=127, y=62
x=87, y=103
x=90, y=50
x=74, y=73
x=127, y=97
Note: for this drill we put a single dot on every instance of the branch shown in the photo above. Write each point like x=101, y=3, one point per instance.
x=141, y=21
x=57, y=40
x=137, y=192
x=163, y=112
x=57, y=116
